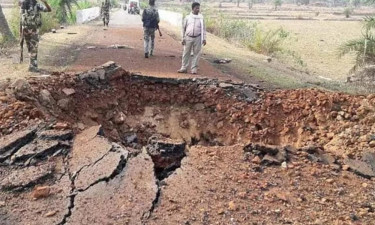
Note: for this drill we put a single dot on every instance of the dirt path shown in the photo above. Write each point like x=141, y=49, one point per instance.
x=127, y=30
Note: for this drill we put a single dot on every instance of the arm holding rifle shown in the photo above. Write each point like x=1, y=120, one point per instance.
x=48, y=8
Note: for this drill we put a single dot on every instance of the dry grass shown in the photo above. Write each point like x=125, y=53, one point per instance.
x=316, y=42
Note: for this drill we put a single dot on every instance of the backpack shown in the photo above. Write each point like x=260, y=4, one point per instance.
x=31, y=18
x=150, y=18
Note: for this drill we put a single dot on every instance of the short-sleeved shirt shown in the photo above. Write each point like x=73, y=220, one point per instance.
x=28, y=7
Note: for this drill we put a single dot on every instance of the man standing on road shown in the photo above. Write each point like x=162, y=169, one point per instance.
x=31, y=21
x=194, y=36
x=150, y=19
x=104, y=11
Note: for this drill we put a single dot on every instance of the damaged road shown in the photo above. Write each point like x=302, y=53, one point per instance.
x=109, y=147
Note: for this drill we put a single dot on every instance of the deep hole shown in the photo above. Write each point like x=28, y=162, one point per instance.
x=166, y=154
x=162, y=173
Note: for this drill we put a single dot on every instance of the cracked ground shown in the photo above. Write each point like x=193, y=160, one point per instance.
x=109, y=147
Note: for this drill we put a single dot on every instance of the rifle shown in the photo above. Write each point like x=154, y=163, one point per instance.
x=160, y=34
x=21, y=43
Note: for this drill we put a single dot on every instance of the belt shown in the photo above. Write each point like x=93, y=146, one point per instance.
x=194, y=36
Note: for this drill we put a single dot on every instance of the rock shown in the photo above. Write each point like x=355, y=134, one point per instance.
x=63, y=103
x=130, y=139
x=364, y=185
x=222, y=61
x=220, y=125
x=4, y=99
x=284, y=196
x=22, y=89
x=92, y=115
x=68, y=91
x=261, y=149
x=345, y=167
x=26, y=177
x=199, y=106
x=61, y=135
x=50, y=213
x=372, y=144
x=11, y=143
x=311, y=149
x=61, y=126
x=327, y=159
x=225, y=85
x=284, y=165
x=269, y=160
x=41, y=192
x=53, y=30
x=119, y=118
x=360, y=167
x=256, y=160
x=282, y=155
x=330, y=181
x=369, y=158
x=232, y=206
x=81, y=126
x=46, y=98
x=103, y=73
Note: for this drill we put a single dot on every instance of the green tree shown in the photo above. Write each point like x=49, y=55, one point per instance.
x=250, y=4
x=63, y=9
x=363, y=47
x=4, y=28
x=277, y=3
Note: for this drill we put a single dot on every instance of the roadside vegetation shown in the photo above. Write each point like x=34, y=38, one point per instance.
x=63, y=12
x=363, y=47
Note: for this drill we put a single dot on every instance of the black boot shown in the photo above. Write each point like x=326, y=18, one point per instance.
x=146, y=55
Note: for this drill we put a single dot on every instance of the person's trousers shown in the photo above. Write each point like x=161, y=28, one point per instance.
x=32, y=43
x=149, y=39
x=191, y=44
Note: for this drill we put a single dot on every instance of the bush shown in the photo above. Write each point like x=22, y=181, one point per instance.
x=363, y=47
x=347, y=12
x=248, y=34
x=277, y=3
x=267, y=42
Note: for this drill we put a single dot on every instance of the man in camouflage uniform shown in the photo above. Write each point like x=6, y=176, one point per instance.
x=150, y=19
x=104, y=11
x=31, y=21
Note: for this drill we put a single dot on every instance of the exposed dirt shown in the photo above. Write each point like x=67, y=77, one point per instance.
x=151, y=150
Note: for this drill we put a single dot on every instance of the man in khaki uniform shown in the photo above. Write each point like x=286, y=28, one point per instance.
x=194, y=36
x=31, y=21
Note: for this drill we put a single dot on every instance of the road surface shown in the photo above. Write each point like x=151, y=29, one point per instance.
x=126, y=30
